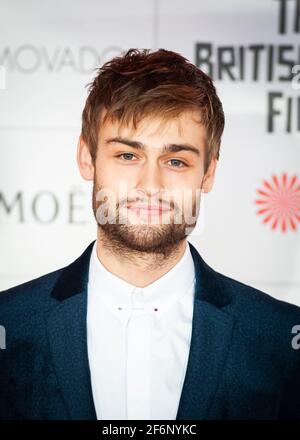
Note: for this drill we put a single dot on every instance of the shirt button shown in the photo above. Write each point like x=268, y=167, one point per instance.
x=137, y=299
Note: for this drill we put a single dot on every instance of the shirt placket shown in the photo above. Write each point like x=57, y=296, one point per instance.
x=138, y=358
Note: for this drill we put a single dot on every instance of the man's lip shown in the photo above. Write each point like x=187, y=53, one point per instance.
x=149, y=208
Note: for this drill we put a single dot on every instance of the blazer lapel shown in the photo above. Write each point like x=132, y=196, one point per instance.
x=66, y=326
x=211, y=335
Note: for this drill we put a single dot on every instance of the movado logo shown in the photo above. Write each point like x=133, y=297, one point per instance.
x=2, y=338
x=29, y=58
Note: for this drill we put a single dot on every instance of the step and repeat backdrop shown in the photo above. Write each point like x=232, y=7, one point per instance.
x=249, y=227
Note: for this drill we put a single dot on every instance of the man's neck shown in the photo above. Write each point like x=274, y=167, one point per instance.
x=137, y=268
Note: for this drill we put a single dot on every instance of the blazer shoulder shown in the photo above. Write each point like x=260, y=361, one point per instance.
x=252, y=299
x=30, y=294
x=265, y=323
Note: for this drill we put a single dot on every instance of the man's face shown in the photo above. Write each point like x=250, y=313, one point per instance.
x=160, y=205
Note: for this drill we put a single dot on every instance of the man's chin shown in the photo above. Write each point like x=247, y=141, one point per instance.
x=152, y=238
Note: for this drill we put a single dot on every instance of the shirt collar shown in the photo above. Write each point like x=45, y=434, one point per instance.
x=158, y=296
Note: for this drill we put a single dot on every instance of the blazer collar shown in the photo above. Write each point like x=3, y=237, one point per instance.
x=211, y=335
x=212, y=332
x=74, y=279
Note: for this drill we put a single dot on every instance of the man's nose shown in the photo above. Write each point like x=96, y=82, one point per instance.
x=150, y=178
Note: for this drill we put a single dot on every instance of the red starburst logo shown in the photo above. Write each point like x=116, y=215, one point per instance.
x=280, y=202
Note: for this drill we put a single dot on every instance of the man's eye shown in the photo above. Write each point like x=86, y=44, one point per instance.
x=128, y=156
x=125, y=154
x=178, y=161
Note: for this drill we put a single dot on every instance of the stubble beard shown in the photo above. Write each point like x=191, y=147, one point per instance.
x=143, y=239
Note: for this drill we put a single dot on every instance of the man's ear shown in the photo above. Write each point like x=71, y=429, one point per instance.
x=208, y=179
x=84, y=160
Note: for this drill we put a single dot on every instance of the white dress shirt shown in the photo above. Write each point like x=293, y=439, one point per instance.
x=139, y=340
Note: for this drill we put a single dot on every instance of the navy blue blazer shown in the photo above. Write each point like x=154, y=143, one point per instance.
x=241, y=362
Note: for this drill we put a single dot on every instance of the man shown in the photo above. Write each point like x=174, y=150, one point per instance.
x=140, y=326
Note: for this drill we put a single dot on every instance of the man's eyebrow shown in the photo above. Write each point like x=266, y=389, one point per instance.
x=173, y=148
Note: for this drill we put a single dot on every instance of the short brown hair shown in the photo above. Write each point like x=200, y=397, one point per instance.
x=162, y=83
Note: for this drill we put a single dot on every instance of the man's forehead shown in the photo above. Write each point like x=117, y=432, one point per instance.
x=152, y=125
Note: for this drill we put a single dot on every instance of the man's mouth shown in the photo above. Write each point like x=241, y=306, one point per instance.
x=141, y=208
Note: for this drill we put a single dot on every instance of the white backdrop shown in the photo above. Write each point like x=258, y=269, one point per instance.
x=48, y=51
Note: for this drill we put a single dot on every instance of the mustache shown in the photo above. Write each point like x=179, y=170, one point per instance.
x=162, y=204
